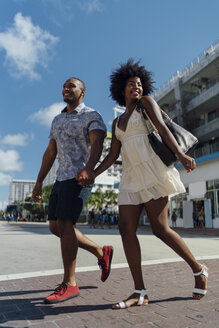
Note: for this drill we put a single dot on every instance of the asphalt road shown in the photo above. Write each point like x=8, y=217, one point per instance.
x=30, y=247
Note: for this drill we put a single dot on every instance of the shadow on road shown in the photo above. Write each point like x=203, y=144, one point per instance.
x=34, y=309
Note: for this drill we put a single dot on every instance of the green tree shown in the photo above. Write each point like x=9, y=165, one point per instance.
x=34, y=210
x=46, y=191
x=110, y=197
x=95, y=200
x=99, y=199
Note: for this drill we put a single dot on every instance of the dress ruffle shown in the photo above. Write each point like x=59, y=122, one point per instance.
x=144, y=176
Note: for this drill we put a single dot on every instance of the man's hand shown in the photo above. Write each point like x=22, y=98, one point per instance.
x=36, y=192
x=85, y=177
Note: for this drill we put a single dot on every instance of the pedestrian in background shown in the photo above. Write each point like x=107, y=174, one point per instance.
x=174, y=218
x=100, y=218
x=201, y=218
x=92, y=219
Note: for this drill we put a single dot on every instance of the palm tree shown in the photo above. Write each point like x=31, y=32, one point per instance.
x=95, y=200
x=99, y=199
x=110, y=197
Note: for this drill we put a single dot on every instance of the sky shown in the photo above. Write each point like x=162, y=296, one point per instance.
x=44, y=42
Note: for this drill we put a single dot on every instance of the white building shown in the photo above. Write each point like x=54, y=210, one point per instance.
x=20, y=189
x=191, y=98
x=51, y=176
x=111, y=176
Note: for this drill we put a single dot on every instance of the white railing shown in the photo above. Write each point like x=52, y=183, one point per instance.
x=206, y=128
x=194, y=64
x=118, y=109
x=203, y=96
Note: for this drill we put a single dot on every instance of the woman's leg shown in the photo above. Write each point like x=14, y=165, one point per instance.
x=157, y=211
x=128, y=223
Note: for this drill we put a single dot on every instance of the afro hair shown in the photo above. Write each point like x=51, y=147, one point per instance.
x=119, y=77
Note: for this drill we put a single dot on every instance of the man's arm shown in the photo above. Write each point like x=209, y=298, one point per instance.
x=47, y=162
x=96, y=142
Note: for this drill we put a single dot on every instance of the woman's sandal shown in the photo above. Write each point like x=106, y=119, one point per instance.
x=197, y=292
x=122, y=305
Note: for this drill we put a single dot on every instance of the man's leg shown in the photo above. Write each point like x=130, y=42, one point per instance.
x=83, y=241
x=104, y=254
x=63, y=206
x=69, y=248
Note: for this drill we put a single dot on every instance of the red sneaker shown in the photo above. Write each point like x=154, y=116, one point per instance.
x=105, y=262
x=62, y=293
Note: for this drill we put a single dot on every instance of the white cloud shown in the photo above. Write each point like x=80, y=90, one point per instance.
x=5, y=179
x=9, y=161
x=16, y=139
x=90, y=5
x=26, y=46
x=45, y=115
x=65, y=8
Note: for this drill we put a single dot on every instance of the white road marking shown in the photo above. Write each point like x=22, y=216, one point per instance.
x=96, y=268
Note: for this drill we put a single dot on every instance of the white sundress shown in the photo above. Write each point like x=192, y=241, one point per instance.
x=144, y=176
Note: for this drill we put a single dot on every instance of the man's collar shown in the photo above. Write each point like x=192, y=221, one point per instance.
x=78, y=109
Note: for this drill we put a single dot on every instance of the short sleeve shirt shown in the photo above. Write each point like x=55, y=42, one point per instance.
x=71, y=133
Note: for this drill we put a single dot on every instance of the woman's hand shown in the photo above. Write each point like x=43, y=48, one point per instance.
x=85, y=177
x=187, y=161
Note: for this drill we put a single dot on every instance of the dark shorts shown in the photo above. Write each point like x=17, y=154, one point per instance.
x=67, y=200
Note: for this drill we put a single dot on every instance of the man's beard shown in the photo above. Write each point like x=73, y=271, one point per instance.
x=70, y=101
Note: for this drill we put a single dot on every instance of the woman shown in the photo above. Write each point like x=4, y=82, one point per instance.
x=146, y=181
x=201, y=218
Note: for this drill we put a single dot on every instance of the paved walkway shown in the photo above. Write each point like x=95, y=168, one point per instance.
x=169, y=288
x=194, y=231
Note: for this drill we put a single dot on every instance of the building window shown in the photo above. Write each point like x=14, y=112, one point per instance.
x=212, y=115
x=210, y=185
x=213, y=195
x=216, y=184
x=217, y=203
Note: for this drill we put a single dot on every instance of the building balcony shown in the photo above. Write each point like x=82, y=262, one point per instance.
x=207, y=130
x=201, y=61
x=204, y=96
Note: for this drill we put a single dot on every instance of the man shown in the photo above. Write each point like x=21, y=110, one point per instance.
x=76, y=136
x=174, y=218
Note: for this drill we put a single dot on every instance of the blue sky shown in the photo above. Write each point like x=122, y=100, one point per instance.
x=43, y=42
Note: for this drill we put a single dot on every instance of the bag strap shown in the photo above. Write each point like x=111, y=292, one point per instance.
x=165, y=115
x=150, y=126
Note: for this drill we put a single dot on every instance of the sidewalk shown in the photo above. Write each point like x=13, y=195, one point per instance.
x=195, y=231
x=180, y=230
x=169, y=289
